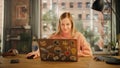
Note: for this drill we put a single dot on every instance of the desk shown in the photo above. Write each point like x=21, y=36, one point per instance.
x=83, y=62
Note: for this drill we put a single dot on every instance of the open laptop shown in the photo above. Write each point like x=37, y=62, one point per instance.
x=58, y=49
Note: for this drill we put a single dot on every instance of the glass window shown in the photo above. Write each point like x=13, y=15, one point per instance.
x=79, y=16
x=87, y=16
x=107, y=16
x=79, y=4
x=44, y=5
x=63, y=5
x=71, y=4
x=54, y=5
x=95, y=25
x=87, y=4
x=96, y=29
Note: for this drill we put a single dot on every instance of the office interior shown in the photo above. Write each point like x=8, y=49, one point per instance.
x=27, y=20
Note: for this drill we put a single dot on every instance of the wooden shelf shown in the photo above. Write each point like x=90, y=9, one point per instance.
x=20, y=38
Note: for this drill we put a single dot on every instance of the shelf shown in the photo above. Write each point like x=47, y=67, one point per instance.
x=20, y=39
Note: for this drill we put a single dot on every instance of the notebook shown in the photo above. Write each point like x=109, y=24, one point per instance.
x=58, y=49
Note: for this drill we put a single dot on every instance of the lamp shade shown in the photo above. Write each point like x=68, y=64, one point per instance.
x=98, y=5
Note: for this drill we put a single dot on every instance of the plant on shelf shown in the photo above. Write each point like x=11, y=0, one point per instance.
x=112, y=45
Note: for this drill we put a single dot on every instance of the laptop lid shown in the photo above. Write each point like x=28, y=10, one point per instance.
x=58, y=49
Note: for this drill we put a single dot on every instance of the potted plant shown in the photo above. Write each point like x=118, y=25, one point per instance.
x=112, y=45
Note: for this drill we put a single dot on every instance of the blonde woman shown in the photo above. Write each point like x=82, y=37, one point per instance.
x=66, y=30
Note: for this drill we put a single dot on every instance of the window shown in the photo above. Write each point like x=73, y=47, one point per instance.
x=94, y=29
x=107, y=16
x=79, y=16
x=44, y=5
x=79, y=4
x=63, y=5
x=54, y=5
x=106, y=6
x=87, y=16
x=95, y=17
x=71, y=4
x=87, y=4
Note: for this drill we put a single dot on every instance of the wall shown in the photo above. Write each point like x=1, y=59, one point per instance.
x=16, y=13
x=20, y=12
x=1, y=14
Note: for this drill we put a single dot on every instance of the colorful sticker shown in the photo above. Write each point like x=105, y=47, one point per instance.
x=67, y=53
x=73, y=51
x=44, y=50
x=61, y=54
x=55, y=58
x=71, y=43
x=43, y=56
x=64, y=43
x=56, y=43
x=63, y=58
x=57, y=50
x=50, y=55
x=43, y=43
x=73, y=58
x=49, y=47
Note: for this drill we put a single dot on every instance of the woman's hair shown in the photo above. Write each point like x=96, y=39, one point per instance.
x=69, y=16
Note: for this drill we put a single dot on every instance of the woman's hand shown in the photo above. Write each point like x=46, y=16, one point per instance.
x=36, y=54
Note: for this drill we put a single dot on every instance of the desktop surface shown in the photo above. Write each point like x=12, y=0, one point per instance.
x=83, y=62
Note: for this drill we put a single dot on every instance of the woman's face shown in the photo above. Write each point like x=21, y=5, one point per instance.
x=66, y=25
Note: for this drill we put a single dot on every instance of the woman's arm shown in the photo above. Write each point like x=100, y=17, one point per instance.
x=85, y=51
x=83, y=47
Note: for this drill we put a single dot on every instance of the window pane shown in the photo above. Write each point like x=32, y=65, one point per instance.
x=95, y=25
x=63, y=5
x=44, y=5
x=79, y=16
x=87, y=4
x=71, y=5
x=54, y=5
x=87, y=16
x=79, y=4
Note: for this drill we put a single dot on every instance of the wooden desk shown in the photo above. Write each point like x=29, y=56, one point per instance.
x=83, y=62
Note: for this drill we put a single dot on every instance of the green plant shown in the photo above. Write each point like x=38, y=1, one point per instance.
x=89, y=34
x=112, y=45
x=49, y=16
x=91, y=37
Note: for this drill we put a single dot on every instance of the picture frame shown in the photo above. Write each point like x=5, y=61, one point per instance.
x=21, y=12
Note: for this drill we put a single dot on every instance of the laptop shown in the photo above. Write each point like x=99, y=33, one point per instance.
x=58, y=49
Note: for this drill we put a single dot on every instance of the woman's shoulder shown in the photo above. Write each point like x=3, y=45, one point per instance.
x=53, y=35
x=78, y=34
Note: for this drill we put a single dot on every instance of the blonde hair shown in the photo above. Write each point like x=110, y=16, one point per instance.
x=69, y=16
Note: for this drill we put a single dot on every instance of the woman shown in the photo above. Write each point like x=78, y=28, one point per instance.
x=66, y=30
